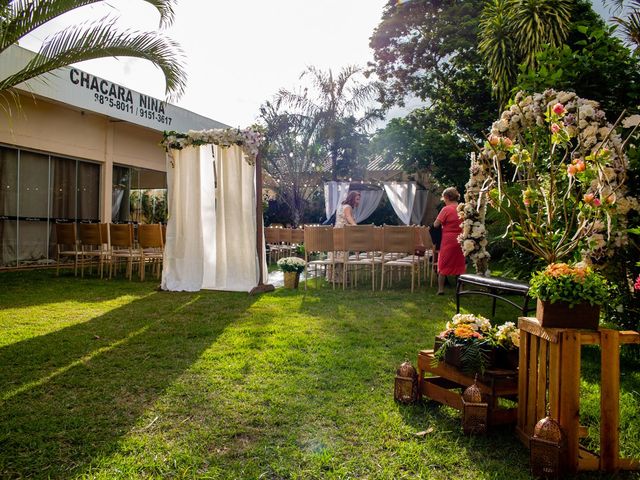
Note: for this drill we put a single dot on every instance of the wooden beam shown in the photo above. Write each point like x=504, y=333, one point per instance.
x=609, y=400
x=261, y=287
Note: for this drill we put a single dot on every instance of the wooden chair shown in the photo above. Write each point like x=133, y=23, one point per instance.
x=151, y=245
x=286, y=241
x=122, y=247
x=400, y=240
x=67, y=245
x=297, y=238
x=429, y=253
x=318, y=239
x=91, y=245
x=359, y=239
x=272, y=241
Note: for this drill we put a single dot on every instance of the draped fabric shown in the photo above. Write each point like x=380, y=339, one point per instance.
x=369, y=201
x=189, y=255
x=211, y=232
x=236, y=261
x=419, y=206
x=402, y=196
x=334, y=194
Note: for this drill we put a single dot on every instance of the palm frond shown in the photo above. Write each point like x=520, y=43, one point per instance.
x=101, y=39
x=24, y=16
x=630, y=27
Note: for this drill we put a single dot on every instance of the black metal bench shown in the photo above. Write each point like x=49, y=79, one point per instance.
x=494, y=287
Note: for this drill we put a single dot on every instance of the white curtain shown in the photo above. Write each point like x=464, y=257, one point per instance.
x=369, y=201
x=419, y=206
x=211, y=232
x=334, y=194
x=402, y=196
x=190, y=248
x=236, y=260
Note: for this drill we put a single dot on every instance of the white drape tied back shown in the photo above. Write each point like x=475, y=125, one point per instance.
x=402, y=196
x=369, y=201
x=419, y=206
x=334, y=194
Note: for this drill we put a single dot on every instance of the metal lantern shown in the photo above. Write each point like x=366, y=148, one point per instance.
x=547, y=449
x=474, y=411
x=406, y=386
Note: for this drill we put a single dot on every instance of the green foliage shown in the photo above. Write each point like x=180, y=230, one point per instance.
x=475, y=354
x=514, y=31
x=598, y=67
x=561, y=283
x=421, y=142
x=87, y=41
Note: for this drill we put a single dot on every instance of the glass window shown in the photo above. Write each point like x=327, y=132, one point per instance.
x=88, y=191
x=8, y=206
x=63, y=189
x=139, y=195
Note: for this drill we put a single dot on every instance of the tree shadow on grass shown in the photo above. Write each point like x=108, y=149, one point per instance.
x=68, y=396
x=37, y=287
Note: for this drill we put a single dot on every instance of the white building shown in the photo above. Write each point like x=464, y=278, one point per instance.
x=80, y=148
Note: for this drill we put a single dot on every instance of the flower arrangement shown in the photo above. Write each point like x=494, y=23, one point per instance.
x=249, y=139
x=470, y=337
x=556, y=168
x=508, y=336
x=291, y=264
x=560, y=282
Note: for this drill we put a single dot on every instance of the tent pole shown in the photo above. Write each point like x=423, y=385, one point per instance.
x=261, y=287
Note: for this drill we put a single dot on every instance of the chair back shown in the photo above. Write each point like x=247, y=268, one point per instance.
x=378, y=238
x=399, y=239
x=150, y=236
x=286, y=236
x=297, y=235
x=338, y=239
x=104, y=231
x=90, y=234
x=66, y=234
x=272, y=235
x=121, y=235
x=425, y=237
x=318, y=239
x=359, y=238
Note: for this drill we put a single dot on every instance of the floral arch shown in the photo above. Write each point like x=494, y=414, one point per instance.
x=556, y=169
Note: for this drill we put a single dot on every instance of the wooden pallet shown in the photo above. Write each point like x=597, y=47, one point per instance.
x=444, y=383
x=550, y=379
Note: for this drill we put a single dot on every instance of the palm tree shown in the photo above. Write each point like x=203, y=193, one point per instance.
x=86, y=41
x=512, y=32
x=630, y=23
x=334, y=107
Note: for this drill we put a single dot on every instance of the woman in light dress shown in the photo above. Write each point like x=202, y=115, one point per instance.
x=344, y=216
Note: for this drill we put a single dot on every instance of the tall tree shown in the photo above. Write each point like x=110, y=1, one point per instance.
x=86, y=41
x=292, y=157
x=515, y=31
x=338, y=108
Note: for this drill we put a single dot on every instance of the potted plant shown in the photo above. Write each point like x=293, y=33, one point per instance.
x=292, y=268
x=569, y=296
x=507, y=340
x=466, y=343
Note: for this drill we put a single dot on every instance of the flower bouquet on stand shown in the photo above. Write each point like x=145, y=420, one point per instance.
x=466, y=343
x=507, y=340
x=569, y=296
x=292, y=268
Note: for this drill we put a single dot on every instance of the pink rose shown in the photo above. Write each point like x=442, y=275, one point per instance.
x=555, y=128
x=558, y=109
x=596, y=202
x=637, y=284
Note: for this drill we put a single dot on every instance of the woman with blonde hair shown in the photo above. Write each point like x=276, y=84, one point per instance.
x=450, y=257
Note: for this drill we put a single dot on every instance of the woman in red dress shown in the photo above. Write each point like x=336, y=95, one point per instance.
x=450, y=257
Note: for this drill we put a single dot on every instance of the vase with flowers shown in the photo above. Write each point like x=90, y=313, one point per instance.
x=507, y=341
x=569, y=296
x=466, y=343
x=292, y=268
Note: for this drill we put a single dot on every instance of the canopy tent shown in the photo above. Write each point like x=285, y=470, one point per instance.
x=407, y=201
x=213, y=238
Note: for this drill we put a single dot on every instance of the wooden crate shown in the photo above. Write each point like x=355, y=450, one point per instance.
x=550, y=379
x=444, y=383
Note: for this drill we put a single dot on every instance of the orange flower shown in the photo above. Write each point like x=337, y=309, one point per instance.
x=464, y=331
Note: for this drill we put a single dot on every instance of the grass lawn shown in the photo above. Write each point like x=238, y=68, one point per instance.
x=113, y=379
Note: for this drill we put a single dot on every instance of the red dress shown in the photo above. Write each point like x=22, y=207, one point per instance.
x=450, y=257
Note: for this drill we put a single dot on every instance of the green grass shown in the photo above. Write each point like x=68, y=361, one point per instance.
x=113, y=379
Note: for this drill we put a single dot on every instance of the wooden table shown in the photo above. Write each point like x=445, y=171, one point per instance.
x=444, y=384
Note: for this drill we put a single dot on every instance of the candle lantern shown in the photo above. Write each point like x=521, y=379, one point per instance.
x=474, y=411
x=406, y=385
x=547, y=448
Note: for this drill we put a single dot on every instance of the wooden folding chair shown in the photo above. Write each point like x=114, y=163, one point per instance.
x=318, y=239
x=400, y=240
x=151, y=247
x=91, y=245
x=122, y=247
x=67, y=245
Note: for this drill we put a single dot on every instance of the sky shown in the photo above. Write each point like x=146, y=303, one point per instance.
x=238, y=53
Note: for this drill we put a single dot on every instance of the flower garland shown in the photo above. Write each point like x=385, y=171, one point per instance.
x=568, y=161
x=248, y=139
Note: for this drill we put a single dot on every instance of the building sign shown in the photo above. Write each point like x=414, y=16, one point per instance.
x=82, y=90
